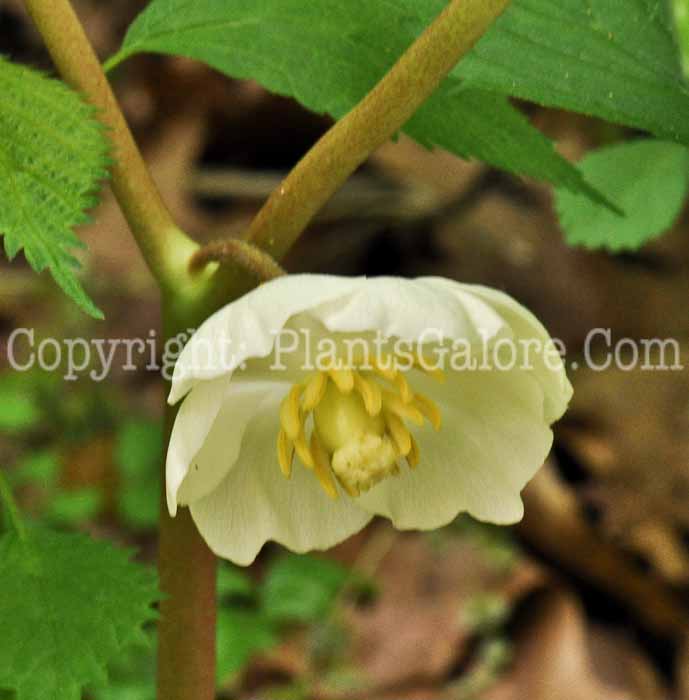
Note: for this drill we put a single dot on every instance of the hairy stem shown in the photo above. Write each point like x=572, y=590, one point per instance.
x=233, y=250
x=164, y=246
x=371, y=123
x=186, y=632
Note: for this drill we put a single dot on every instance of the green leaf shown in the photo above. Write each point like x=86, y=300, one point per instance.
x=680, y=11
x=329, y=55
x=648, y=180
x=132, y=675
x=74, y=507
x=139, y=447
x=37, y=467
x=240, y=634
x=233, y=582
x=615, y=59
x=301, y=588
x=20, y=408
x=138, y=453
x=68, y=605
x=18, y=411
x=52, y=157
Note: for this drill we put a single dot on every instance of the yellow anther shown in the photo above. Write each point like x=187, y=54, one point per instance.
x=343, y=378
x=429, y=410
x=413, y=456
x=370, y=393
x=303, y=451
x=403, y=387
x=322, y=466
x=385, y=367
x=351, y=490
x=399, y=433
x=313, y=391
x=290, y=416
x=394, y=404
x=358, y=431
x=285, y=453
x=427, y=366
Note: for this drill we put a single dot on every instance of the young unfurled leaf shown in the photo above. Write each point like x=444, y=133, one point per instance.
x=647, y=180
x=68, y=606
x=53, y=153
x=329, y=55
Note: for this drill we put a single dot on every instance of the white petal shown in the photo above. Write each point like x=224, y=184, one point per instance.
x=412, y=310
x=254, y=503
x=547, y=368
x=246, y=328
x=191, y=427
x=220, y=449
x=492, y=441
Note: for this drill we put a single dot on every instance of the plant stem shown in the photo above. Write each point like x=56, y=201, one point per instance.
x=371, y=123
x=186, y=632
x=233, y=250
x=164, y=246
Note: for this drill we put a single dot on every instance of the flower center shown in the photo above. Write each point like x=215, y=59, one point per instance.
x=356, y=424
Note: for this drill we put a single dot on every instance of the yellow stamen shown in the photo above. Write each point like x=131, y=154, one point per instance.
x=313, y=391
x=370, y=393
x=343, y=378
x=429, y=409
x=290, y=416
x=285, y=453
x=322, y=467
x=302, y=448
x=399, y=433
x=426, y=366
x=413, y=456
x=349, y=425
x=403, y=388
x=385, y=368
x=394, y=404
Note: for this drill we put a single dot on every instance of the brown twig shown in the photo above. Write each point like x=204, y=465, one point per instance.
x=233, y=250
x=554, y=525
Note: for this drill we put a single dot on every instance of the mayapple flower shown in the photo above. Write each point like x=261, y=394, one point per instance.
x=316, y=402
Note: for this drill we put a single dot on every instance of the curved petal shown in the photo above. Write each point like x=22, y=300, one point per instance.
x=547, y=364
x=412, y=310
x=219, y=451
x=254, y=503
x=193, y=422
x=246, y=328
x=492, y=442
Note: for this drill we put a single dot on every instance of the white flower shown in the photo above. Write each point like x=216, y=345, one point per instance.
x=384, y=432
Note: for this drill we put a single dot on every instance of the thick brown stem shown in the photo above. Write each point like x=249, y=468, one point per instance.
x=186, y=631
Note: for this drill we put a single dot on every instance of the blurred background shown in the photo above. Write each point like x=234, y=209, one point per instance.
x=586, y=599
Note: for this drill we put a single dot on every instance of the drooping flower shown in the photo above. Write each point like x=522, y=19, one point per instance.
x=315, y=402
